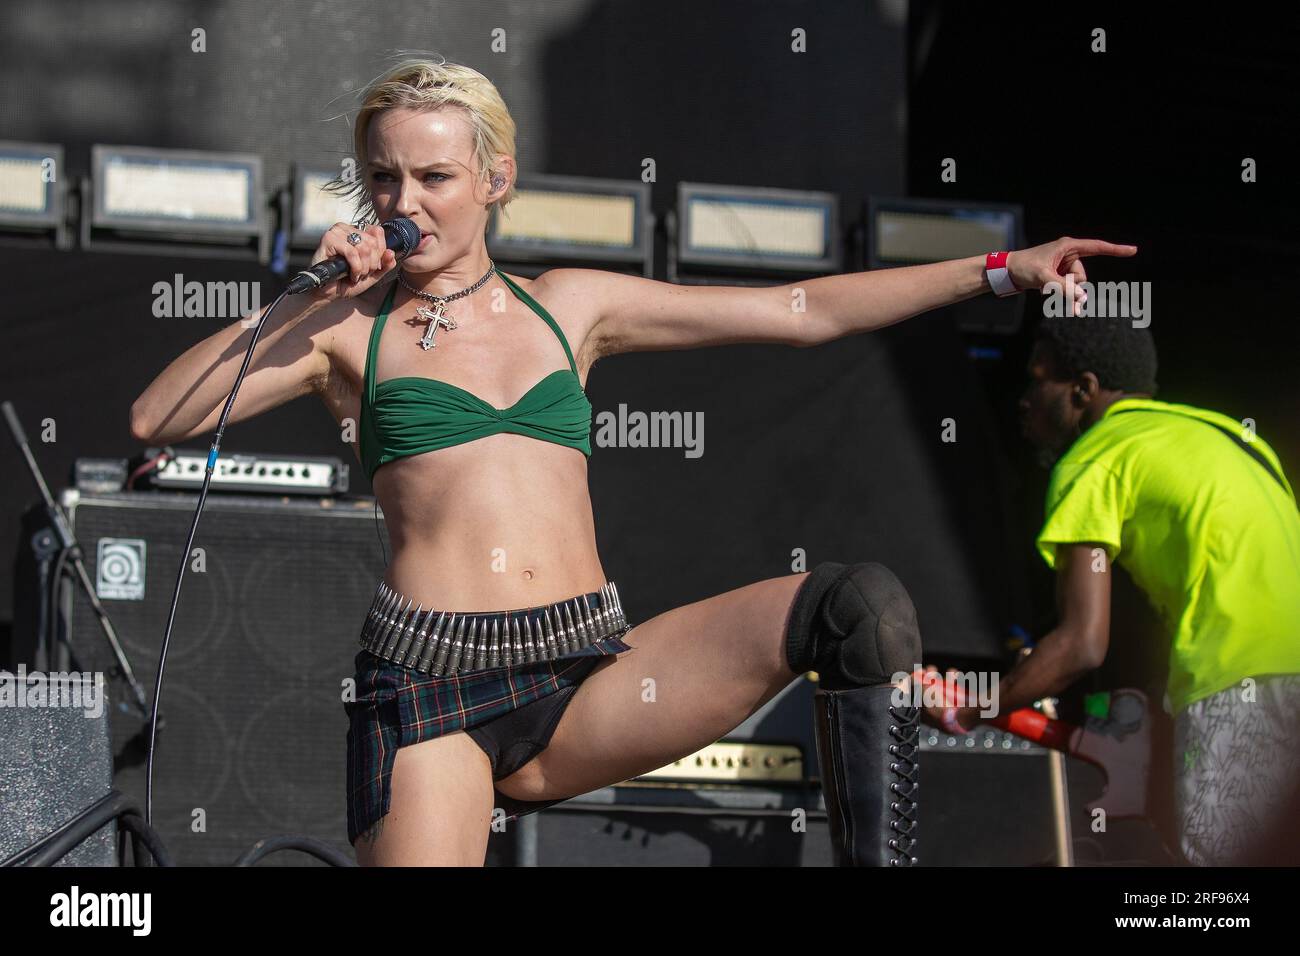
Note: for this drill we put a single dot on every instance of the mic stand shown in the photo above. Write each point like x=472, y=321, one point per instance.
x=71, y=552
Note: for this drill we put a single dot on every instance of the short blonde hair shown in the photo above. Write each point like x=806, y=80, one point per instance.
x=426, y=84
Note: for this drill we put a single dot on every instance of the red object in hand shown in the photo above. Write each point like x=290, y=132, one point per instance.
x=1024, y=722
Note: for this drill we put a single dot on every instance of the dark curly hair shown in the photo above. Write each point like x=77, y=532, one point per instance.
x=1121, y=356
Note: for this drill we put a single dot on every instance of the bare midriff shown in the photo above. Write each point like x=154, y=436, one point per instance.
x=496, y=524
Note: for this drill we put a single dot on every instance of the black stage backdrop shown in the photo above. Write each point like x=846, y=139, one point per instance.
x=1141, y=144
x=711, y=92
x=834, y=451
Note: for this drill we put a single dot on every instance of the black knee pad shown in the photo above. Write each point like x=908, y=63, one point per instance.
x=855, y=625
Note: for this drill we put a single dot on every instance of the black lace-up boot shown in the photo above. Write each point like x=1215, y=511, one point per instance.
x=856, y=626
x=867, y=749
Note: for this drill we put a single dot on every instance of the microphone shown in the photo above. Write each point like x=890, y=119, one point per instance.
x=400, y=234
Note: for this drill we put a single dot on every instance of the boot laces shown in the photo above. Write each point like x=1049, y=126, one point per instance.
x=905, y=731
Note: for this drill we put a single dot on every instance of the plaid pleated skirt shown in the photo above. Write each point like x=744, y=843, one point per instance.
x=396, y=707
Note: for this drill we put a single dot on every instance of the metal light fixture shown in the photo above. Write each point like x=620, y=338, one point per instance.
x=202, y=203
x=33, y=189
x=754, y=230
x=573, y=218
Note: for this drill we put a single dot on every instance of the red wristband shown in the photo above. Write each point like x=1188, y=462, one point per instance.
x=995, y=266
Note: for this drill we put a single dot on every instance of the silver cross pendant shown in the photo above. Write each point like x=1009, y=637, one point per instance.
x=435, y=318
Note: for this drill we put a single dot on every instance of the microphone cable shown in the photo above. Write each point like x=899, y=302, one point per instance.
x=185, y=556
x=402, y=236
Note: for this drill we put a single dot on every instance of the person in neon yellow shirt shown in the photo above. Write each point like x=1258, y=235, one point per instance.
x=1196, y=508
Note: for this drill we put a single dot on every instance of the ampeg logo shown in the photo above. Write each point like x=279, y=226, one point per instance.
x=119, y=572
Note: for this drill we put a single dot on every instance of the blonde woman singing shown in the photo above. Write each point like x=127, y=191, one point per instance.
x=499, y=673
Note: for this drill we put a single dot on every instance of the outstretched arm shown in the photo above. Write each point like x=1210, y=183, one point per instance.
x=632, y=314
x=859, y=302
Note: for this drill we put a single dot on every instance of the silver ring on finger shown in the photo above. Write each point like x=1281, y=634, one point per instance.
x=354, y=238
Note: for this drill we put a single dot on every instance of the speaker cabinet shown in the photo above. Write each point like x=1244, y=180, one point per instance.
x=253, y=736
x=54, y=763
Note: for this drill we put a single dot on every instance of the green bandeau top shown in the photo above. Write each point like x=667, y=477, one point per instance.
x=409, y=415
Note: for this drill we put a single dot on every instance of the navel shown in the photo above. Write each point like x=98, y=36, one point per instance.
x=528, y=574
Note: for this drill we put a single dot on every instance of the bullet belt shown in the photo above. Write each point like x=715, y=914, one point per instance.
x=441, y=643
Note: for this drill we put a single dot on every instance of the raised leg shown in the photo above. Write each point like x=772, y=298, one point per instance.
x=696, y=672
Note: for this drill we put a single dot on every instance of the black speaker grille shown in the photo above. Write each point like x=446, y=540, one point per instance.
x=254, y=733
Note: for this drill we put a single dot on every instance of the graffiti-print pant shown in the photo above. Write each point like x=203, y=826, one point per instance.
x=1235, y=763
